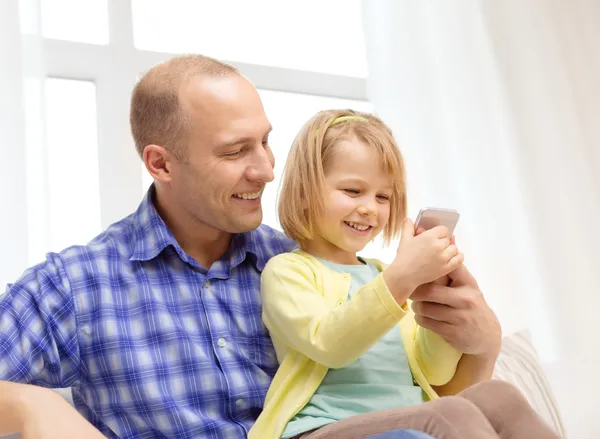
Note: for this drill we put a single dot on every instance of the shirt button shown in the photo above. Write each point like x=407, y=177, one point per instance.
x=222, y=342
x=207, y=284
x=340, y=302
x=239, y=402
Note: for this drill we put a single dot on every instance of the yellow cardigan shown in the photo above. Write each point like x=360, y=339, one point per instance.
x=315, y=328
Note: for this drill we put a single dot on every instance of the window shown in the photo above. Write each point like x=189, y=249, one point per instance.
x=72, y=177
x=312, y=35
x=75, y=20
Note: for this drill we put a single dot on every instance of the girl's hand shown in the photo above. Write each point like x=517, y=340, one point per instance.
x=421, y=258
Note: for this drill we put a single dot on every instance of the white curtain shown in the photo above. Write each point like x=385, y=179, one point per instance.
x=496, y=108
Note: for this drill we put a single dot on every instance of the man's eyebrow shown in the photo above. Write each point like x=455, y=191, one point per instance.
x=234, y=142
x=242, y=140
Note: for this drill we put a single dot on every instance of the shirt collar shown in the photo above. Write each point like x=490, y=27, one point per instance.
x=251, y=242
x=152, y=237
x=151, y=234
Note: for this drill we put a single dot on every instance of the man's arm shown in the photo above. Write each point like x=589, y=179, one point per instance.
x=17, y=400
x=471, y=369
x=39, y=342
x=11, y=404
x=37, y=412
x=460, y=315
x=38, y=345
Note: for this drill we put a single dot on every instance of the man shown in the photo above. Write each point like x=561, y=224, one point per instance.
x=156, y=324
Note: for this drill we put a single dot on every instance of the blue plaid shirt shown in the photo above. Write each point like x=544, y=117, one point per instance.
x=152, y=344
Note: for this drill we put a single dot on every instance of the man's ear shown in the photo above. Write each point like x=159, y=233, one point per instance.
x=158, y=162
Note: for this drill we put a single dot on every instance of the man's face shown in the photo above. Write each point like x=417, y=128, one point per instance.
x=229, y=160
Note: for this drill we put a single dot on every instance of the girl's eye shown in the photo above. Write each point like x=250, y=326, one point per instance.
x=352, y=191
x=383, y=197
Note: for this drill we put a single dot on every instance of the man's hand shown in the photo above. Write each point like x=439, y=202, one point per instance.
x=459, y=314
x=43, y=414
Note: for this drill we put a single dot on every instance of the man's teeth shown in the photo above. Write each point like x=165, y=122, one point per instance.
x=357, y=226
x=248, y=195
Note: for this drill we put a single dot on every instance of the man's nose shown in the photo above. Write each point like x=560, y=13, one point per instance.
x=262, y=166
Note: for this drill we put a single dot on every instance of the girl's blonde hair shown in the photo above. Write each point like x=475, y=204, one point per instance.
x=302, y=195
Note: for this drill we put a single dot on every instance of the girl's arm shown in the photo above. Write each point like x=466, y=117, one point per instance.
x=334, y=335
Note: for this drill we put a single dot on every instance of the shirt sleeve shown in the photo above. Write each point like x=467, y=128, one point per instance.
x=38, y=330
x=334, y=335
x=437, y=359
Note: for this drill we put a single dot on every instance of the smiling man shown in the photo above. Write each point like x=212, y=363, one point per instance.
x=156, y=324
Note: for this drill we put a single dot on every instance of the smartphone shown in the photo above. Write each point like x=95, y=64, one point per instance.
x=429, y=217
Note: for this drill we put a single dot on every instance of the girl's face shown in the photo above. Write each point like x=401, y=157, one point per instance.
x=357, y=204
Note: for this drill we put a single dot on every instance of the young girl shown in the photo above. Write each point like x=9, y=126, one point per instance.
x=353, y=361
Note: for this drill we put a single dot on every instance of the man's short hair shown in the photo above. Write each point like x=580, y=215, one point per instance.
x=156, y=115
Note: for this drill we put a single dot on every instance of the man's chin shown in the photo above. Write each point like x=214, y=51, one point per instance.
x=247, y=223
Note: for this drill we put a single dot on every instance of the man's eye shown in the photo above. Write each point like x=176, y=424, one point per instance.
x=233, y=153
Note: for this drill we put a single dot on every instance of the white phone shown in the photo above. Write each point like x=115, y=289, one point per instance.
x=429, y=217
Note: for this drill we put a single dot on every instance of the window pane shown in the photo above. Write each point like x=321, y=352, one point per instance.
x=73, y=182
x=312, y=35
x=75, y=20
x=287, y=113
